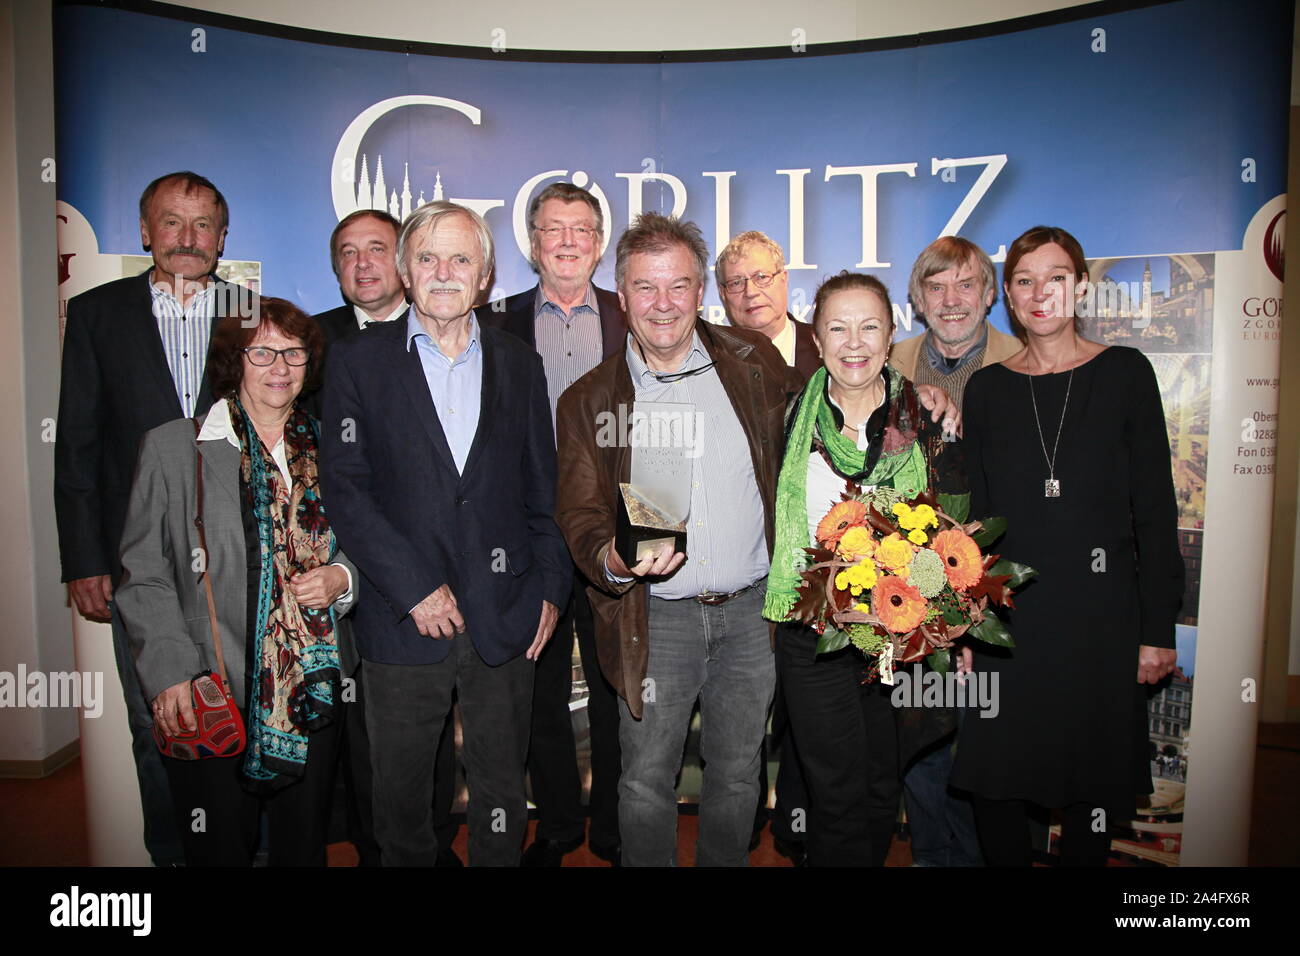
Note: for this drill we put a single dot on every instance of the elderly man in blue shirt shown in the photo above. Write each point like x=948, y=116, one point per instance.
x=439, y=456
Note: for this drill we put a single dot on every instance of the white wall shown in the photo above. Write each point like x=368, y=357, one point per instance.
x=661, y=25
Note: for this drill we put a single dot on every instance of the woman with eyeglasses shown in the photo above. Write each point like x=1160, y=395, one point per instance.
x=277, y=583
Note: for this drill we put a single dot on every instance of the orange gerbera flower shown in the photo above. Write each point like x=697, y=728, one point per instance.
x=961, y=558
x=899, y=606
x=841, y=518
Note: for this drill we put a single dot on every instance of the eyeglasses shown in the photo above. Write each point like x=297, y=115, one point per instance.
x=554, y=232
x=761, y=280
x=262, y=357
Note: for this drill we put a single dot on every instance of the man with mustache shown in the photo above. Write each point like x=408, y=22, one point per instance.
x=363, y=253
x=134, y=357
x=438, y=459
x=953, y=286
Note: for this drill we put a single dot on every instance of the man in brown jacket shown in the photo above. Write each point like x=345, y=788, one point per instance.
x=674, y=629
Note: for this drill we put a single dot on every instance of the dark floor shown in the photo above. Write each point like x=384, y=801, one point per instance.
x=42, y=822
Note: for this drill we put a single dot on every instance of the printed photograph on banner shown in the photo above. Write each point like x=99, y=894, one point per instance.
x=1153, y=303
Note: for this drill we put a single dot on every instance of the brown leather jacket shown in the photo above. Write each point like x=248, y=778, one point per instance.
x=759, y=384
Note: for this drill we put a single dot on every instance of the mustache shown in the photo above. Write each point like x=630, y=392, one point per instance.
x=187, y=251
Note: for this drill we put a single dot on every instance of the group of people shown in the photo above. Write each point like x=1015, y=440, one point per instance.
x=370, y=515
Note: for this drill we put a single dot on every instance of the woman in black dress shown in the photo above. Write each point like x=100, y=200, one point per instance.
x=1067, y=440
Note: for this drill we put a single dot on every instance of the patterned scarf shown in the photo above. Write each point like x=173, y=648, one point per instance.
x=894, y=459
x=293, y=656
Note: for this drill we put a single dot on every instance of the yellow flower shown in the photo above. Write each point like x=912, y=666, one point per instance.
x=862, y=576
x=925, y=516
x=857, y=543
x=841, y=581
x=862, y=608
x=916, y=536
x=893, y=552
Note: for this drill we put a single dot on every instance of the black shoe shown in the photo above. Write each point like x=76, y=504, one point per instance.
x=611, y=853
x=448, y=858
x=544, y=852
x=794, y=852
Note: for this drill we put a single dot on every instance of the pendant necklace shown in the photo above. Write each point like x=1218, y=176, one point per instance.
x=1052, y=486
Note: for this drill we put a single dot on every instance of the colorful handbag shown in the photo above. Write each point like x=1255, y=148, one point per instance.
x=219, y=729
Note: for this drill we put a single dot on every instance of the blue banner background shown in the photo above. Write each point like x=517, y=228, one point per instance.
x=1136, y=150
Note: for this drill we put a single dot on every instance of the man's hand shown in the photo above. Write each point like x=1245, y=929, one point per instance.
x=936, y=401
x=664, y=561
x=173, y=710
x=91, y=597
x=319, y=587
x=438, y=615
x=1155, y=663
x=545, y=628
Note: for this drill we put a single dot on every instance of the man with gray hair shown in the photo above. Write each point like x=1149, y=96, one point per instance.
x=573, y=325
x=439, y=460
x=674, y=630
x=755, y=292
x=952, y=287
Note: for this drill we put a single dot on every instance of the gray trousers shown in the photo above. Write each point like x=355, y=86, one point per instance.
x=722, y=657
x=406, y=708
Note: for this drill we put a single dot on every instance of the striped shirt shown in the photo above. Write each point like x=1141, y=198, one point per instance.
x=725, y=541
x=570, y=345
x=185, y=334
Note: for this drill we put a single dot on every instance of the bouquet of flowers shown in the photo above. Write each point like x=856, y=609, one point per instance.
x=902, y=578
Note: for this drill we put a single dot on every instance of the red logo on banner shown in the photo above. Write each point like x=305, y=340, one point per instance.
x=1275, y=245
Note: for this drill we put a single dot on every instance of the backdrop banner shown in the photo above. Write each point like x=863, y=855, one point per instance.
x=1156, y=133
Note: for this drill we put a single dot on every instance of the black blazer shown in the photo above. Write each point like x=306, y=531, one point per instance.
x=337, y=324
x=515, y=315
x=806, y=357
x=411, y=523
x=115, y=387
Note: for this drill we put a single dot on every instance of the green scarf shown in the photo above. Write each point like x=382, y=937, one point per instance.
x=901, y=465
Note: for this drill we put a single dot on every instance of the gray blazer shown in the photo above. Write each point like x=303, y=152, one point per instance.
x=161, y=597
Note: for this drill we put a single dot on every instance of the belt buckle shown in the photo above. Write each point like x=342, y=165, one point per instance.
x=711, y=598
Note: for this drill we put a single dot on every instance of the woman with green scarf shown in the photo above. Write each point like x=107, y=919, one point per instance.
x=277, y=582
x=857, y=425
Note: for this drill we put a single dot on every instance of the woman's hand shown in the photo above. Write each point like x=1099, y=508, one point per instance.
x=173, y=710
x=1155, y=663
x=320, y=587
x=965, y=660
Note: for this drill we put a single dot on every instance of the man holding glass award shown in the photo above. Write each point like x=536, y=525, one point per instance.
x=669, y=452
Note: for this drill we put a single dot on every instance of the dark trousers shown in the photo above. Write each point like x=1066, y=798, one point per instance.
x=354, y=755
x=789, y=815
x=1004, y=834
x=407, y=707
x=161, y=837
x=848, y=746
x=218, y=818
x=552, y=753
x=941, y=820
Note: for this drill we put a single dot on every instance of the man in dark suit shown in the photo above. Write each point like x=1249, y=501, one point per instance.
x=439, y=460
x=363, y=254
x=574, y=326
x=755, y=291
x=134, y=357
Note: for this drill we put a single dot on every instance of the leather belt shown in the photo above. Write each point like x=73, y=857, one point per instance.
x=713, y=598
